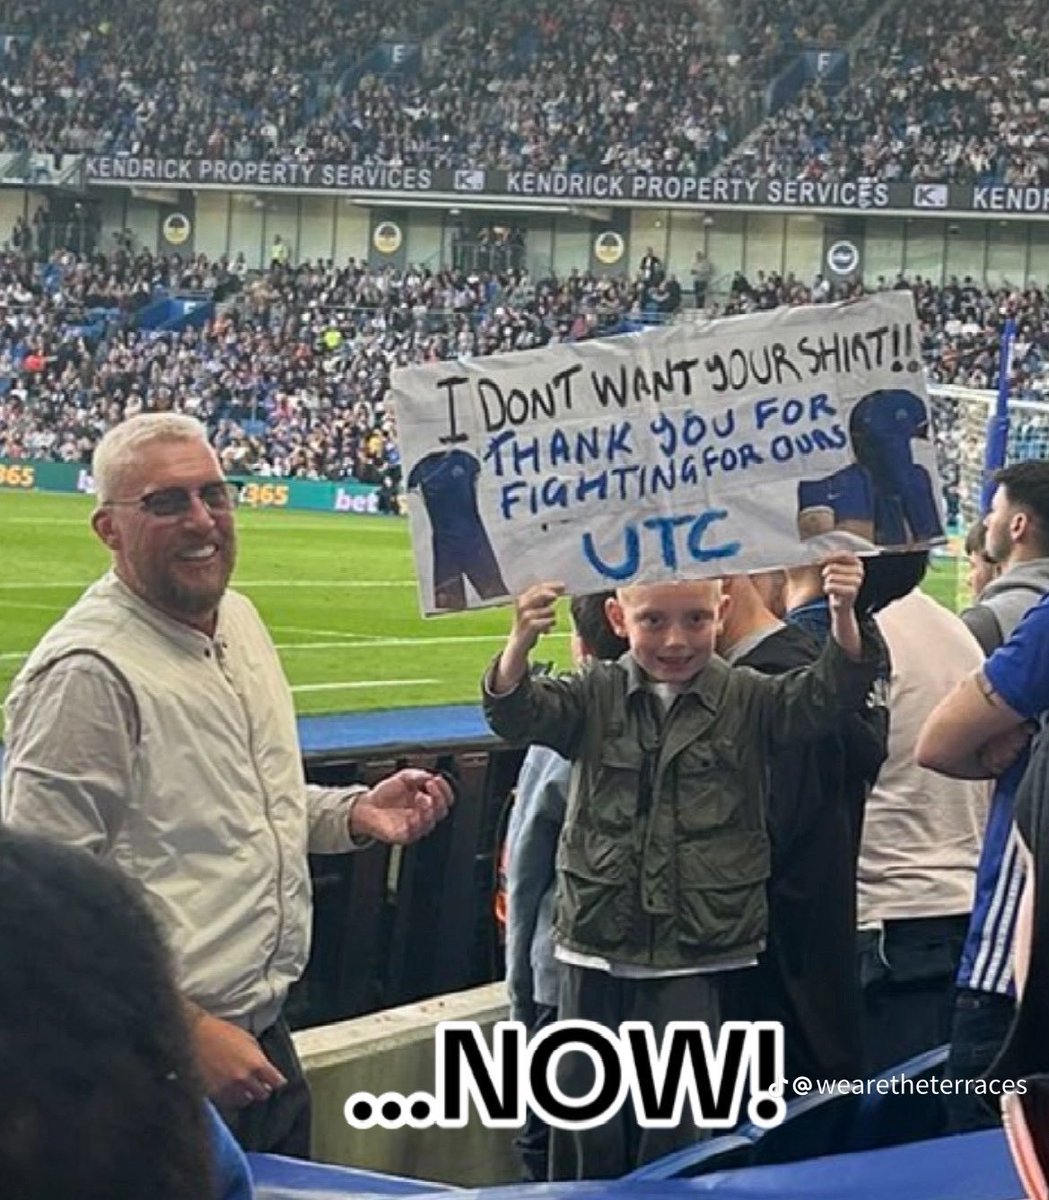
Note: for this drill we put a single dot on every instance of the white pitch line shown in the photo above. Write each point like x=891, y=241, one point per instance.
x=378, y=643
x=21, y=604
x=81, y=523
x=317, y=583
x=51, y=586
x=421, y=642
x=324, y=525
x=370, y=683
x=335, y=633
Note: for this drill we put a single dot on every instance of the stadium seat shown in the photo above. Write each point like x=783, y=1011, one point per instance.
x=885, y=1118
x=815, y=1125
x=717, y=1154
x=973, y=1166
x=819, y=1125
x=278, y=1178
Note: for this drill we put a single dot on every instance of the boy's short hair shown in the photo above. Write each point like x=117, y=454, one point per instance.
x=591, y=623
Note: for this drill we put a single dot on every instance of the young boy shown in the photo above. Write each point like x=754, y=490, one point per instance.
x=664, y=855
x=532, y=971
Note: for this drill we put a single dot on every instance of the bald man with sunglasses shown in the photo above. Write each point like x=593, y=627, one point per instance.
x=153, y=726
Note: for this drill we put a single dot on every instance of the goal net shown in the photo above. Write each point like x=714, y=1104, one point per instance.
x=960, y=419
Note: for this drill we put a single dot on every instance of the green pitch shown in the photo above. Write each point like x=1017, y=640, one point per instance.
x=337, y=592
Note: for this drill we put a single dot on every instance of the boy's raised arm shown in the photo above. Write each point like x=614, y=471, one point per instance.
x=810, y=701
x=535, y=612
x=842, y=577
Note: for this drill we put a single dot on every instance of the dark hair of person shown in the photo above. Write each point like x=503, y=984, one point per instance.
x=591, y=623
x=100, y=1099
x=1027, y=486
x=889, y=577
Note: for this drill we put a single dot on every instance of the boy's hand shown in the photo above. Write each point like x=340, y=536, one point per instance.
x=535, y=612
x=842, y=578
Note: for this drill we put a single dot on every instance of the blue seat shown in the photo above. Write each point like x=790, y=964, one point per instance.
x=278, y=1178
x=814, y=1125
x=818, y=1125
x=971, y=1166
x=726, y=1153
x=893, y=1118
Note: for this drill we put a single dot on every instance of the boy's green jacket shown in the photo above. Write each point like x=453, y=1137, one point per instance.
x=664, y=853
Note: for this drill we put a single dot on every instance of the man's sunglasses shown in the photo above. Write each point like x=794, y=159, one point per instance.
x=218, y=497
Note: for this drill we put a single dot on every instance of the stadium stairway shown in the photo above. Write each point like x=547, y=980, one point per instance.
x=172, y=314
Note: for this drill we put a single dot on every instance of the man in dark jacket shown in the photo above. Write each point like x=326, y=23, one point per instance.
x=806, y=977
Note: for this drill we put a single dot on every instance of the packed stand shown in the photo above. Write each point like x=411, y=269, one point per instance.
x=203, y=78
x=939, y=95
x=291, y=376
x=601, y=84
x=769, y=33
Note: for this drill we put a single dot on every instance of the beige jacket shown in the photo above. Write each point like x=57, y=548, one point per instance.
x=176, y=756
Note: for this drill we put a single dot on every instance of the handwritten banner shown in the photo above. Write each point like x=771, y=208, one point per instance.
x=700, y=449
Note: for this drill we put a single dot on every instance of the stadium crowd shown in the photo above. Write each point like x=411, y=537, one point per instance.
x=600, y=84
x=290, y=375
x=291, y=372
x=935, y=98
x=595, y=85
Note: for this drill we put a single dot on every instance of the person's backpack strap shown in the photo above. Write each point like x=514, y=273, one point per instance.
x=982, y=622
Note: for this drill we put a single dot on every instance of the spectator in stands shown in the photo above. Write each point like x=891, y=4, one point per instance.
x=532, y=970
x=153, y=726
x=1017, y=529
x=636, y=935
x=807, y=976
x=1017, y=540
x=279, y=252
x=982, y=568
x=291, y=377
x=597, y=85
x=702, y=273
x=101, y=1094
x=939, y=99
x=978, y=731
x=921, y=835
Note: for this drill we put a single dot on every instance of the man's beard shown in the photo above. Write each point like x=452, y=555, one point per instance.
x=177, y=597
